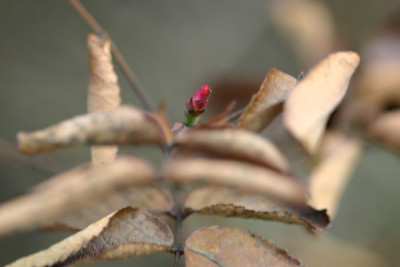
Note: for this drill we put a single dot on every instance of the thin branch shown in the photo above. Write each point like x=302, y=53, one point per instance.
x=179, y=216
x=235, y=115
x=10, y=155
x=126, y=70
x=178, y=254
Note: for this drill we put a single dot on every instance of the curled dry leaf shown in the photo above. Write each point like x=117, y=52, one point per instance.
x=123, y=234
x=386, y=129
x=126, y=125
x=307, y=25
x=314, y=98
x=236, y=144
x=243, y=176
x=67, y=192
x=330, y=177
x=153, y=199
x=229, y=246
x=265, y=104
x=223, y=201
x=103, y=94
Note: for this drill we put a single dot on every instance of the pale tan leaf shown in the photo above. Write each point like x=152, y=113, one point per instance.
x=235, y=144
x=386, y=129
x=104, y=92
x=244, y=176
x=124, y=234
x=151, y=198
x=126, y=125
x=314, y=98
x=223, y=201
x=264, y=105
x=330, y=177
x=68, y=191
x=229, y=246
x=308, y=25
x=103, y=154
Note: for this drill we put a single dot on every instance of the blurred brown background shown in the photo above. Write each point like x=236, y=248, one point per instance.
x=174, y=47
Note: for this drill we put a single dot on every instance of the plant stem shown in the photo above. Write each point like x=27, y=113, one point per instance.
x=190, y=120
x=179, y=216
x=235, y=115
x=126, y=70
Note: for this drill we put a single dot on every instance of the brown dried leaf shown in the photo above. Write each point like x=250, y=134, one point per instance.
x=67, y=192
x=264, y=105
x=152, y=199
x=314, y=98
x=229, y=246
x=103, y=94
x=330, y=177
x=235, y=144
x=223, y=201
x=386, y=129
x=125, y=125
x=123, y=234
x=235, y=174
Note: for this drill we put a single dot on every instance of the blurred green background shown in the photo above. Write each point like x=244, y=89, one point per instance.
x=174, y=47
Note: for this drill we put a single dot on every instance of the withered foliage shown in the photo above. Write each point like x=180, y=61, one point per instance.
x=103, y=93
x=128, y=232
x=121, y=206
x=208, y=247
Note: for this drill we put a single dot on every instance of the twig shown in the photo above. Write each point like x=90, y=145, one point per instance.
x=235, y=115
x=178, y=254
x=126, y=70
x=179, y=216
x=10, y=155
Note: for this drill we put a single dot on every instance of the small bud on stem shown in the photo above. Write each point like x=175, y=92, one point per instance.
x=197, y=105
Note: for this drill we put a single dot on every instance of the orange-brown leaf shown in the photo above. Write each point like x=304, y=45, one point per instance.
x=243, y=176
x=67, y=192
x=234, y=144
x=123, y=126
x=273, y=91
x=124, y=234
x=223, y=201
x=313, y=99
x=228, y=246
x=103, y=93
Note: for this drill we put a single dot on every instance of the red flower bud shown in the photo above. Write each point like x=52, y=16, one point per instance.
x=198, y=103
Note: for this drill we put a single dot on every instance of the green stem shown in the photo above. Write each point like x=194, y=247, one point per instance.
x=190, y=120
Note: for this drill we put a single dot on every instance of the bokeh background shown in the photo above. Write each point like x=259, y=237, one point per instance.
x=174, y=47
